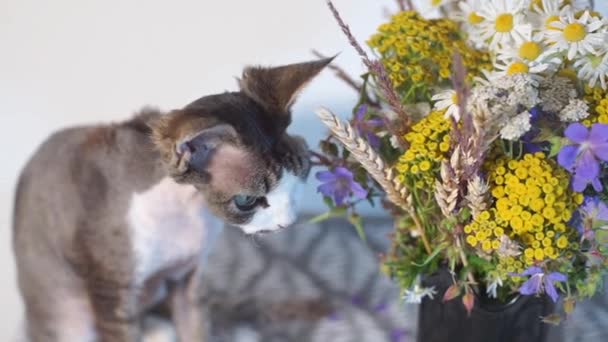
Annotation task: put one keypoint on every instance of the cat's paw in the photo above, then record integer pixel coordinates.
(295, 155)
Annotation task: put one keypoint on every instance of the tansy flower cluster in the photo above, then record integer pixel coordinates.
(418, 52)
(429, 141)
(597, 99)
(532, 206)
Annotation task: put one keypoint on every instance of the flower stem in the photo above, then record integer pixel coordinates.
(425, 241)
(465, 262)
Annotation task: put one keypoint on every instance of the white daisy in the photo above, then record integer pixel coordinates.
(469, 16)
(447, 100)
(593, 68)
(531, 53)
(576, 110)
(576, 36)
(439, 3)
(417, 293)
(579, 4)
(520, 66)
(545, 12)
(504, 22)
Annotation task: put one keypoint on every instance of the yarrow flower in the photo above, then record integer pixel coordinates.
(339, 184)
(539, 282)
(583, 157)
(576, 110)
(516, 127)
(417, 293)
(556, 93)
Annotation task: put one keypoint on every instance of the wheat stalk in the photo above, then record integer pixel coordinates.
(477, 192)
(446, 190)
(369, 159)
(375, 166)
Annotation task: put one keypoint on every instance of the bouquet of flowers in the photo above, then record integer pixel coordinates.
(484, 133)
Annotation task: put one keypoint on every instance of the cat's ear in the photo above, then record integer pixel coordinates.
(277, 88)
(186, 150)
(195, 150)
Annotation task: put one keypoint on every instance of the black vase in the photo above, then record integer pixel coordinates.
(490, 321)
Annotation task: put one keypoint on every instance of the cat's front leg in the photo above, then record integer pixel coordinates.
(187, 313)
(116, 314)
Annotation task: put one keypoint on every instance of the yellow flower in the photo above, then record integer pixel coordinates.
(486, 246)
(426, 47)
(539, 254)
(532, 201)
(562, 242)
(471, 240)
(420, 162)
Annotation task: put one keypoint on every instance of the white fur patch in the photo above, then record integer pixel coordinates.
(282, 206)
(158, 330)
(170, 225)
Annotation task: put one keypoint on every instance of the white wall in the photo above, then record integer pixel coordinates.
(66, 62)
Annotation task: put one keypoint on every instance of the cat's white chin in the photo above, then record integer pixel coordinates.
(282, 207)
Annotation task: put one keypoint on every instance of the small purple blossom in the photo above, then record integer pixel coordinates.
(583, 157)
(366, 128)
(528, 139)
(398, 335)
(595, 208)
(339, 184)
(539, 281)
(592, 214)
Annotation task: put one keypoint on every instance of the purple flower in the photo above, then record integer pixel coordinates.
(596, 208)
(593, 214)
(398, 335)
(539, 281)
(366, 128)
(339, 184)
(584, 156)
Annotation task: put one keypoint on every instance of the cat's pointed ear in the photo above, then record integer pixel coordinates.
(187, 150)
(277, 88)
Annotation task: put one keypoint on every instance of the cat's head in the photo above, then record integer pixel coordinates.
(234, 148)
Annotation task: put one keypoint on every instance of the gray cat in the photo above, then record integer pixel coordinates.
(113, 220)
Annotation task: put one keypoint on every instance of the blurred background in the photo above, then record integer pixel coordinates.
(69, 62)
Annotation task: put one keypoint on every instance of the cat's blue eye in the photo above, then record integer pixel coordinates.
(245, 203)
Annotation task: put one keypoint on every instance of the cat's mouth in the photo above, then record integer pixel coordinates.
(270, 231)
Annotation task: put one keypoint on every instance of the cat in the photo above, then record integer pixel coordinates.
(113, 220)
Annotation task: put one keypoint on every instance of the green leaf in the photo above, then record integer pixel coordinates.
(430, 258)
(328, 202)
(357, 222)
(556, 145)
